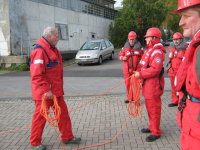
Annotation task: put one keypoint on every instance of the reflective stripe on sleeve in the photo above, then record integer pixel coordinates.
(155, 52)
(38, 61)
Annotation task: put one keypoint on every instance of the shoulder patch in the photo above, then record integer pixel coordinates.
(157, 60)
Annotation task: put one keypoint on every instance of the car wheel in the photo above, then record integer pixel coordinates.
(112, 56)
(79, 64)
(100, 60)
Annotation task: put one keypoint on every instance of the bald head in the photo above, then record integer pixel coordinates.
(49, 31)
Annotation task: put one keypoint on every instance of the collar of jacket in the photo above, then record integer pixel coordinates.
(48, 42)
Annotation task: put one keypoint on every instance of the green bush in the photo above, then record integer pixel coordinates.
(15, 67)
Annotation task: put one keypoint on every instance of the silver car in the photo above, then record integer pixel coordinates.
(95, 51)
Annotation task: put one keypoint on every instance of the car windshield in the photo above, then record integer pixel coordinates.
(90, 46)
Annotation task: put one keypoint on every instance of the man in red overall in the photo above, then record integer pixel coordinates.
(176, 53)
(46, 71)
(130, 55)
(187, 80)
(153, 81)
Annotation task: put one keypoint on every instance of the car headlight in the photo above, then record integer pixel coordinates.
(94, 55)
(76, 57)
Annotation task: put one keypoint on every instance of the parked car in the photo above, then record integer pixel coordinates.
(95, 51)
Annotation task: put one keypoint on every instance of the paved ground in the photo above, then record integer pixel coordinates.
(95, 123)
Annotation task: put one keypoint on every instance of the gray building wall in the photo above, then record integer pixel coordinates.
(26, 20)
(4, 28)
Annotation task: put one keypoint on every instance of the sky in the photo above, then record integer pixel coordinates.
(118, 3)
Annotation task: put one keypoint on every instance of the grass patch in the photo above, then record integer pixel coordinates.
(15, 67)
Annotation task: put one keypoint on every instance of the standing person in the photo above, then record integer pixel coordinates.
(187, 80)
(47, 80)
(176, 53)
(130, 55)
(153, 81)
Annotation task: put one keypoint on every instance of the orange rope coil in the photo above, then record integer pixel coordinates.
(51, 114)
(134, 106)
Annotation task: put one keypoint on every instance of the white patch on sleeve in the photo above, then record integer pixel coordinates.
(175, 81)
(158, 60)
(38, 61)
(136, 52)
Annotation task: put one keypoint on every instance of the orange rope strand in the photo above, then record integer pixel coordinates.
(109, 141)
(52, 115)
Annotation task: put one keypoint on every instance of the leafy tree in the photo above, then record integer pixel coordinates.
(171, 21)
(144, 14)
(123, 23)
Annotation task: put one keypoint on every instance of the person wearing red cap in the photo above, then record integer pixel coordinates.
(151, 72)
(131, 54)
(187, 79)
(176, 53)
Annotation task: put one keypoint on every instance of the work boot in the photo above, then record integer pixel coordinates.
(172, 105)
(152, 138)
(75, 140)
(39, 147)
(145, 130)
(126, 101)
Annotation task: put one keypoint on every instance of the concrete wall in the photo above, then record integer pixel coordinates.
(18, 28)
(4, 28)
(80, 25)
(22, 23)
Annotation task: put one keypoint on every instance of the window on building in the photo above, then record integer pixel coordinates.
(63, 31)
(58, 3)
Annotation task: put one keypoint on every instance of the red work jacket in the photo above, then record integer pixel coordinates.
(46, 70)
(134, 55)
(151, 71)
(176, 55)
(188, 77)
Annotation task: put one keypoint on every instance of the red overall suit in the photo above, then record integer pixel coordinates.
(176, 54)
(153, 83)
(130, 65)
(188, 78)
(47, 75)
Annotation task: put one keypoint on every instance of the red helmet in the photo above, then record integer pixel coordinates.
(153, 32)
(132, 35)
(177, 35)
(182, 4)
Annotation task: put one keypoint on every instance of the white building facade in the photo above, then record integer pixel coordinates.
(23, 21)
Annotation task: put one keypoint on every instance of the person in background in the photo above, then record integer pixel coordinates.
(151, 73)
(46, 72)
(130, 55)
(187, 79)
(176, 53)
